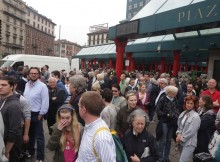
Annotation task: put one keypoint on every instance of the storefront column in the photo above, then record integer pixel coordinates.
(176, 61)
(128, 58)
(162, 65)
(120, 49)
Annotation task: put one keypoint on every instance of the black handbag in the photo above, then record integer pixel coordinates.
(203, 157)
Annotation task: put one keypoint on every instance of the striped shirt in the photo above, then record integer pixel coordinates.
(103, 143)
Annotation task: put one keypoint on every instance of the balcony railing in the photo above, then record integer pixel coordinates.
(14, 14)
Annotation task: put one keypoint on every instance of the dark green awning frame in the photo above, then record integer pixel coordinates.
(198, 16)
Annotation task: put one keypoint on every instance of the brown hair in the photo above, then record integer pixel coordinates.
(208, 102)
(92, 102)
(191, 98)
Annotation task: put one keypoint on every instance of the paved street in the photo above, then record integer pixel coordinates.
(174, 155)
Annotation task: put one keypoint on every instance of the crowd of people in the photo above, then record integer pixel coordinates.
(82, 107)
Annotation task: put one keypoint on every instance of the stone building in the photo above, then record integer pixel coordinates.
(65, 48)
(39, 33)
(12, 15)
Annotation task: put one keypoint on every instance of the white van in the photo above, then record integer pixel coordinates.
(75, 64)
(54, 63)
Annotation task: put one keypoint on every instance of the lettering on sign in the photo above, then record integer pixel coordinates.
(209, 11)
(127, 28)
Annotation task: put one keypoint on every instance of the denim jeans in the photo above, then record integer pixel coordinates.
(165, 141)
(36, 132)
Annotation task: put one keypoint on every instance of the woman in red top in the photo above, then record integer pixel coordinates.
(66, 135)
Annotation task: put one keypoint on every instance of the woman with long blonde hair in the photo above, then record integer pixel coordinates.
(66, 135)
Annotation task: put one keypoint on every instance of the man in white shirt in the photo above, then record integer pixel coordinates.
(96, 144)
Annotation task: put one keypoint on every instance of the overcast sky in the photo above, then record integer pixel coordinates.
(76, 16)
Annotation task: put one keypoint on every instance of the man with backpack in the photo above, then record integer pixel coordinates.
(97, 143)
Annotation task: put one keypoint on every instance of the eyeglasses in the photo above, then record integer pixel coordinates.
(34, 73)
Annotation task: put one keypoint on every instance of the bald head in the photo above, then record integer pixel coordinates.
(212, 84)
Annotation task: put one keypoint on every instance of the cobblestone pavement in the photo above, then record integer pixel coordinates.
(174, 155)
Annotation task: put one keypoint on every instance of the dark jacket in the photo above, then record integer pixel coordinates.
(54, 105)
(122, 124)
(136, 144)
(155, 90)
(74, 102)
(129, 88)
(60, 85)
(11, 113)
(206, 131)
(165, 107)
(21, 86)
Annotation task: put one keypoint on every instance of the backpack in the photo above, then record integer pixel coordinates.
(120, 153)
(214, 143)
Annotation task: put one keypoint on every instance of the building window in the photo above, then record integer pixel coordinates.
(21, 32)
(129, 7)
(42, 21)
(134, 13)
(38, 18)
(38, 26)
(34, 16)
(28, 21)
(8, 19)
(147, 1)
(7, 28)
(34, 24)
(7, 39)
(15, 22)
(129, 15)
(15, 30)
(141, 4)
(135, 5)
(20, 42)
(14, 40)
(130, 1)
(21, 24)
(42, 28)
(29, 13)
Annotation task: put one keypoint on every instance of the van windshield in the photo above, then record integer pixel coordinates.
(6, 63)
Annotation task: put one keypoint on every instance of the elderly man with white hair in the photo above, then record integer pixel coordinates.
(167, 112)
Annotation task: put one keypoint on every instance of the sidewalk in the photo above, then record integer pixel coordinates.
(174, 155)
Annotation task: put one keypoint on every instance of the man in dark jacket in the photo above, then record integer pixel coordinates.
(11, 112)
(56, 99)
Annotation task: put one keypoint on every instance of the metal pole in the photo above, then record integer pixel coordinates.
(59, 40)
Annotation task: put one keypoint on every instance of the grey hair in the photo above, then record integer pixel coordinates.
(163, 80)
(138, 113)
(52, 78)
(171, 89)
(79, 82)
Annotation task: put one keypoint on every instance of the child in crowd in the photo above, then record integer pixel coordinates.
(66, 135)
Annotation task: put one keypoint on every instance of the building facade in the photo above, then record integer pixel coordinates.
(133, 6)
(64, 48)
(39, 33)
(98, 37)
(12, 14)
